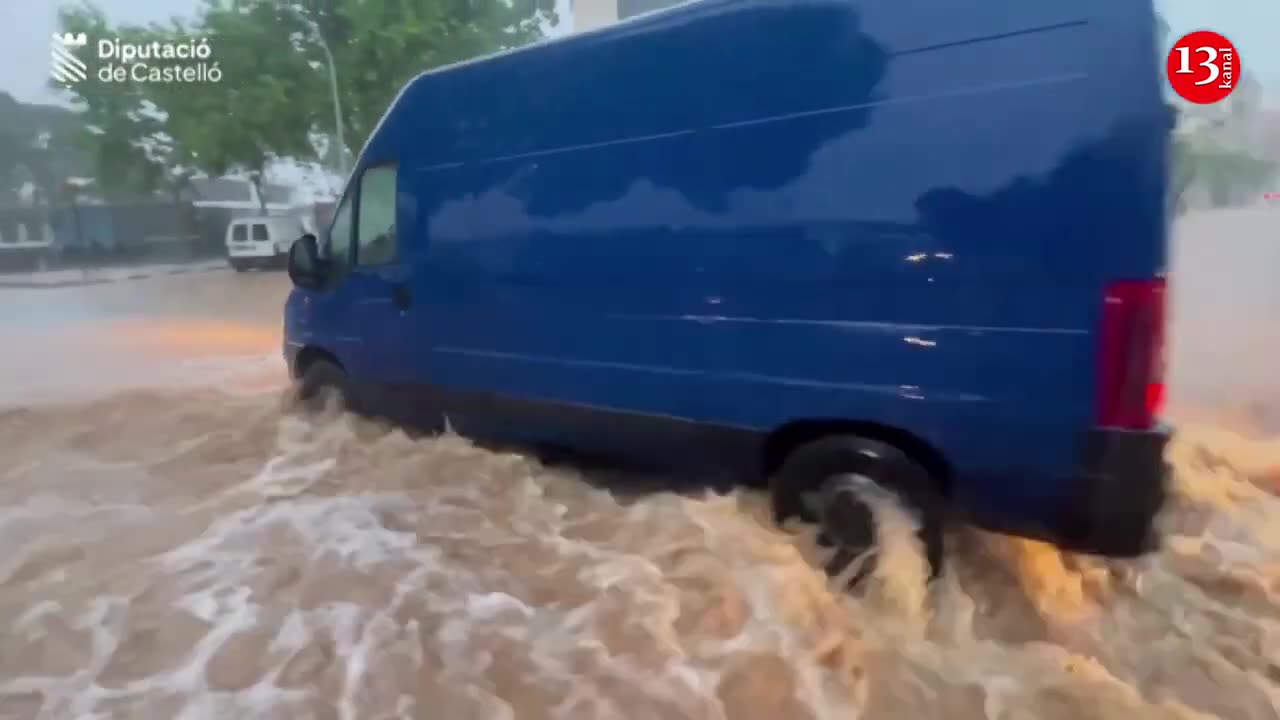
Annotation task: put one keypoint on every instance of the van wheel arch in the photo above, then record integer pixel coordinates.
(308, 355)
(320, 382)
(785, 440)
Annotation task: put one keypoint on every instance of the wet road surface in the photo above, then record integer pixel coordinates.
(177, 547)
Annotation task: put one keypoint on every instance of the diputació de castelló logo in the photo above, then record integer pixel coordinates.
(65, 66)
(112, 60)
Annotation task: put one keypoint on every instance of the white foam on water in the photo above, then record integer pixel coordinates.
(28, 623)
(358, 570)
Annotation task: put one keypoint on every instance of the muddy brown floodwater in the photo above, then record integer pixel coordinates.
(174, 546)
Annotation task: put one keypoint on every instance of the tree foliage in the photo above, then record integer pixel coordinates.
(274, 95)
(1214, 154)
(120, 123)
(259, 110)
(379, 46)
(1226, 174)
(1211, 151)
(37, 149)
(115, 124)
(1206, 153)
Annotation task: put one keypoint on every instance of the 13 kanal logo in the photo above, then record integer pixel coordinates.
(1203, 67)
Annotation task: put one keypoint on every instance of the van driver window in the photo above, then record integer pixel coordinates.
(376, 236)
(338, 247)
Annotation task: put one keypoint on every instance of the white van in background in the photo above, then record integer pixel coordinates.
(261, 242)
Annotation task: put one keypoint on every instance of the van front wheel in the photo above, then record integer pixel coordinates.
(829, 481)
(323, 386)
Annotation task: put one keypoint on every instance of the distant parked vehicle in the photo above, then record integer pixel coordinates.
(260, 242)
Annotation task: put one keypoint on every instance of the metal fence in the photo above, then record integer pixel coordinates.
(101, 234)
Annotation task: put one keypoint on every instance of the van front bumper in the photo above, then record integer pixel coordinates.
(1122, 483)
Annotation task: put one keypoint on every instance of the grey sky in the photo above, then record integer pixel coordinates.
(26, 27)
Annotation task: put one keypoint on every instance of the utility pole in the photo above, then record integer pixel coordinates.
(333, 91)
(337, 104)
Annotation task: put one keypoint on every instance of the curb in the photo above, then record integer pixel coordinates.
(28, 284)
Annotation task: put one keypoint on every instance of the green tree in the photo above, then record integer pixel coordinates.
(37, 145)
(115, 120)
(379, 45)
(154, 136)
(258, 111)
(12, 149)
(1228, 174)
(273, 96)
(1209, 148)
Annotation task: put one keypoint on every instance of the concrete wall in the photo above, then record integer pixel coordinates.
(627, 8)
(591, 14)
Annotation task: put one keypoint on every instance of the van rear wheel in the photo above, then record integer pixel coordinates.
(828, 482)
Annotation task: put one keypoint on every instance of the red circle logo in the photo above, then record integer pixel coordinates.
(1203, 67)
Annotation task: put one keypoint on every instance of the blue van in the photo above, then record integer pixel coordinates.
(820, 243)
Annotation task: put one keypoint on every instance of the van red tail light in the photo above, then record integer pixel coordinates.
(1131, 354)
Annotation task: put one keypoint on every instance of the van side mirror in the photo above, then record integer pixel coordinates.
(306, 269)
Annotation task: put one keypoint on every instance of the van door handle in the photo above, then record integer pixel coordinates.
(400, 296)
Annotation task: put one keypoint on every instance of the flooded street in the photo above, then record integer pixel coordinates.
(177, 547)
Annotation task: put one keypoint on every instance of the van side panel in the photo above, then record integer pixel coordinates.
(743, 213)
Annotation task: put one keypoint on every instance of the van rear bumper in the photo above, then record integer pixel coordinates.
(1122, 483)
(253, 251)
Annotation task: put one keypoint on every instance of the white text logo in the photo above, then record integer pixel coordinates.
(156, 62)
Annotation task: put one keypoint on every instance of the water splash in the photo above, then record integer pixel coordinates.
(234, 561)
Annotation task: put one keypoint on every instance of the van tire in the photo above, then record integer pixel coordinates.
(321, 380)
(848, 521)
(238, 265)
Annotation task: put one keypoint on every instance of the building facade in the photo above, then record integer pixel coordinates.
(591, 14)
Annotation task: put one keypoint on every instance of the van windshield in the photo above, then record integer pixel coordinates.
(239, 233)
